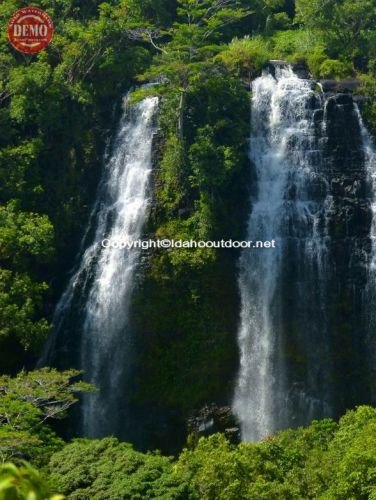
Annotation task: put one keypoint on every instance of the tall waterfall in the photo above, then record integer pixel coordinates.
(95, 305)
(283, 290)
(369, 148)
(370, 159)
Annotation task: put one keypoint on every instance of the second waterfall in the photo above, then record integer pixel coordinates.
(304, 347)
(283, 290)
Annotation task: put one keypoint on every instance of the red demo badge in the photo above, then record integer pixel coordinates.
(30, 30)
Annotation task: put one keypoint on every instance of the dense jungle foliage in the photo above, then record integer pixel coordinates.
(57, 112)
(327, 460)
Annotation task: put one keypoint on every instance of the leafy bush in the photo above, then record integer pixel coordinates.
(278, 21)
(326, 460)
(315, 60)
(27, 402)
(247, 55)
(333, 68)
(23, 483)
(347, 27)
(296, 45)
(106, 469)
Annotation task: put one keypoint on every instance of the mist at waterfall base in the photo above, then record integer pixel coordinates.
(307, 307)
(93, 331)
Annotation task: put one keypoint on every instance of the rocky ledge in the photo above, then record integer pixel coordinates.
(212, 419)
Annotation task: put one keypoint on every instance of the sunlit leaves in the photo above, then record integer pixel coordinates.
(24, 235)
(27, 402)
(247, 55)
(99, 469)
(20, 301)
(50, 391)
(23, 483)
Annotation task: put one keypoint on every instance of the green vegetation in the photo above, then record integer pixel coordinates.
(54, 111)
(28, 402)
(53, 114)
(57, 110)
(99, 469)
(23, 483)
(326, 460)
(323, 461)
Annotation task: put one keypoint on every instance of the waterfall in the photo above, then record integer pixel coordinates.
(370, 160)
(283, 290)
(369, 149)
(95, 305)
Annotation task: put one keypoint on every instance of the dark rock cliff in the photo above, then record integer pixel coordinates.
(349, 230)
(329, 304)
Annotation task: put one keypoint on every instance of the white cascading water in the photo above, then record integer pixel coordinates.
(105, 276)
(369, 149)
(285, 150)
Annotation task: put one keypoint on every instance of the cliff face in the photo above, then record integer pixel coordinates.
(324, 301)
(185, 306)
(186, 324)
(349, 230)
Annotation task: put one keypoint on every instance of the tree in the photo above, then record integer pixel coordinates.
(25, 242)
(25, 237)
(105, 468)
(48, 390)
(29, 401)
(23, 483)
(20, 300)
(247, 56)
(345, 24)
(323, 460)
(193, 45)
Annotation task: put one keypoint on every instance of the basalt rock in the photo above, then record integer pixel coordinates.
(212, 419)
(340, 86)
(315, 340)
(301, 70)
(348, 232)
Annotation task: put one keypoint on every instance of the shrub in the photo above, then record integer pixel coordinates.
(332, 68)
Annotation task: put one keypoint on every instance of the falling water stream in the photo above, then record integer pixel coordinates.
(102, 285)
(369, 298)
(286, 337)
(290, 206)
